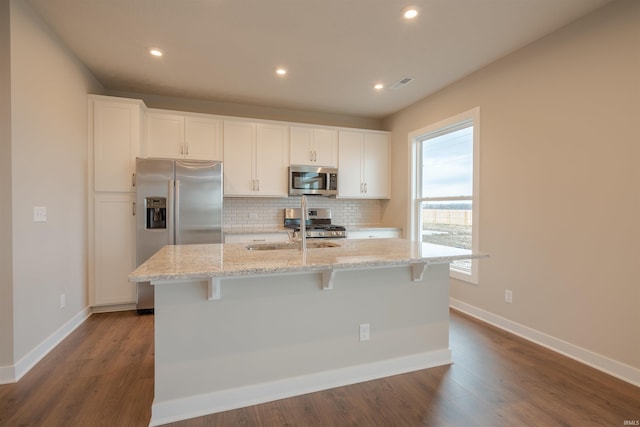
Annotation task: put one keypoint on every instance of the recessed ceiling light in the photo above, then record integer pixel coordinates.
(281, 71)
(378, 86)
(410, 13)
(156, 52)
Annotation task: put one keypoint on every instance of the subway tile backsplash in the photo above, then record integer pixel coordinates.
(252, 214)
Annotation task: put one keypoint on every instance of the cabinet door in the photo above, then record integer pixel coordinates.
(376, 166)
(203, 138)
(239, 158)
(165, 135)
(256, 237)
(350, 182)
(383, 233)
(325, 147)
(114, 249)
(116, 138)
(272, 160)
(301, 146)
(314, 146)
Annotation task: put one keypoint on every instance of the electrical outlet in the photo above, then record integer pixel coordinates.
(39, 214)
(364, 332)
(63, 300)
(508, 295)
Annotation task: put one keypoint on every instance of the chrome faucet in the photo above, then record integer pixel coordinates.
(303, 223)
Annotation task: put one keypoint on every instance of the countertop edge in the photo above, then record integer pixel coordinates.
(206, 275)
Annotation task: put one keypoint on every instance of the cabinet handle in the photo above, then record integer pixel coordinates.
(310, 155)
(257, 185)
(133, 179)
(134, 209)
(187, 148)
(315, 156)
(365, 187)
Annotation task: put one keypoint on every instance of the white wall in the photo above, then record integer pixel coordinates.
(560, 205)
(49, 168)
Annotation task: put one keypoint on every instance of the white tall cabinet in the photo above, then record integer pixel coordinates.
(363, 165)
(256, 159)
(115, 138)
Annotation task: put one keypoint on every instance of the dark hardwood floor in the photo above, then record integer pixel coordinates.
(102, 375)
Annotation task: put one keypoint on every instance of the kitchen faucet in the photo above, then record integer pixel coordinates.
(303, 223)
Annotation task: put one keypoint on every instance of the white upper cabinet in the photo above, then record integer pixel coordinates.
(363, 165)
(176, 135)
(115, 129)
(256, 159)
(314, 146)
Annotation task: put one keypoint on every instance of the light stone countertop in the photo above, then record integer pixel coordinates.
(189, 262)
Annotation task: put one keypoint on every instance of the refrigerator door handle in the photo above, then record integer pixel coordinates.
(176, 213)
(171, 212)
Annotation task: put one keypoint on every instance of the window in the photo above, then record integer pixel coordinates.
(445, 187)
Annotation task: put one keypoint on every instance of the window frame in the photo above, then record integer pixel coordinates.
(416, 137)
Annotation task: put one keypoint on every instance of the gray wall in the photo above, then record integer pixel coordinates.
(251, 111)
(6, 289)
(49, 127)
(559, 194)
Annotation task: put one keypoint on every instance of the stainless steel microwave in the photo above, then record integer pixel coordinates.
(313, 180)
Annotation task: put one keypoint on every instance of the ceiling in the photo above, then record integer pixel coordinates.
(334, 50)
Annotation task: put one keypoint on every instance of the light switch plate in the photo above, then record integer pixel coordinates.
(39, 214)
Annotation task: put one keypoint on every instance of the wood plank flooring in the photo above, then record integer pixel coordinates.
(102, 375)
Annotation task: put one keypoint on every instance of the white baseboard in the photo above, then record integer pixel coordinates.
(609, 366)
(210, 403)
(13, 373)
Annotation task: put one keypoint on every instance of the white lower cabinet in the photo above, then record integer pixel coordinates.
(113, 248)
(374, 233)
(273, 237)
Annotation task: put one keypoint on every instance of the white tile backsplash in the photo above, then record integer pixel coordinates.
(268, 213)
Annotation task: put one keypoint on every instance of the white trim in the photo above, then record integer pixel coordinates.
(602, 363)
(209, 403)
(13, 373)
(471, 116)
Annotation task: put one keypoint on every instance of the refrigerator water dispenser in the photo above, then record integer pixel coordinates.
(156, 212)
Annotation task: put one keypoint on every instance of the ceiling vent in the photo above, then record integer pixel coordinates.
(402, 82)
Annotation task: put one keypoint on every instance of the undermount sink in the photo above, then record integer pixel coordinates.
(313, 244)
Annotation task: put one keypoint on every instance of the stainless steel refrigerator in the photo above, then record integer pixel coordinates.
(178, 202)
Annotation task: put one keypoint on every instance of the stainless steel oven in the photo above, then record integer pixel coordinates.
(312, 180)
(318, 224)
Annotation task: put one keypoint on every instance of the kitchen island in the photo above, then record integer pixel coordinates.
(236, 327)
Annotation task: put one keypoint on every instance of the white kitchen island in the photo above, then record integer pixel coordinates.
(237, 327)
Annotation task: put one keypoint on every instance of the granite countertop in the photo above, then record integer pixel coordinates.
(187, 262)
(260, 230)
